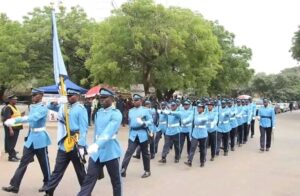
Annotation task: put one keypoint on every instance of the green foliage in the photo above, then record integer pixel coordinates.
(146, 43)
(12, 49)
(295, 49)
(235, 71)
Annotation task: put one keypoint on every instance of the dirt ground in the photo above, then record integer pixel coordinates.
(244, 172)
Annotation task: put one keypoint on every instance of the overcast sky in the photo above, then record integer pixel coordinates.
(265, 26)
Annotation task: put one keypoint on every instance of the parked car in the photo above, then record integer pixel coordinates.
(284, 107)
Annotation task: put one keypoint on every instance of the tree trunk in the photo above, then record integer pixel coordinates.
(147, 78)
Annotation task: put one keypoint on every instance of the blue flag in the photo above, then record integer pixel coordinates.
(60, 72)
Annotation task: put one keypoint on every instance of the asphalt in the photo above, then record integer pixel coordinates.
(246, 171)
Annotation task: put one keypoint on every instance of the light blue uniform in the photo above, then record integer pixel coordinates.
(233, 118)
(37, 121)
(200, 126)
(239, 115)
(186, 127)
(247, 114)
(107, 124)
(173, 126)
(267, 117)
(253, 110)
(212, 121)
(135, 128)
(224, 120)
(162, 123)
(78, 121)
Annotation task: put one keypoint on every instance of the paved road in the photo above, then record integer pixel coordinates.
(244, 172)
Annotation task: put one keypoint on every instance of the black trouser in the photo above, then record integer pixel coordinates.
(158, 135)
(94, 170)
(225, 139)
(232, 137)
(202, 146)
(61, 163)
(240, 133)
(246, 132)
(182, 140)
(265, 134)
(169, 141)
(212, 137)
(130, 150)
(11, 141)
(219, 139)
(152, 148)
(252, 126)
(28, 154)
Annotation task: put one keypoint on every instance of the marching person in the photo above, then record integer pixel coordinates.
(172, 135)
(240, 121)
(233, 123)
(139, 121)
(247, 116)
(36, 142)
(224, 127)
(162, 125)
(187, 127)
(106, 149)
(198, 135)
(12, 133)
(76, 127)
(212, 128)
(253, 112)
(266, 116)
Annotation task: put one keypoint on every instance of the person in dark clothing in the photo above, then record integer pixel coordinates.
(291, 106)
(11, 133)
(88, 107)
(120, 105)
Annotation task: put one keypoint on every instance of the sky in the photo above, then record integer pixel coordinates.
(265, 26)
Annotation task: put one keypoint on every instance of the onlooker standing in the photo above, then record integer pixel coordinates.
(121, 106)
(12, 133)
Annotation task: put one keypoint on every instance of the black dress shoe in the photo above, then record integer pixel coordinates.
(152, 156)
(12, 189)
(232, 149)
(123, 172)
(188, 163)
(202, 164)
(13, 159)
(176, 160)
(261, 149)
(267, 149)
(212, 159)
(163, 160)
(42, 189)
(146, 174)
(225, 153)
(136, 157)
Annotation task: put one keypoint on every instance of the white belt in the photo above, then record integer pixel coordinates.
(173, 125)
(225, 122)
(200, 126)
(163, 123)
(232, 118)
(187, 125)
(40, 129)
(99, 137)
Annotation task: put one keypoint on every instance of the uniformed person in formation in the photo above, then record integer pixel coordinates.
(240, 121)
(247, 119)
(36, 143)
(162, 125)
(139, 121)
(233, 123)
(266, 116)
(224, 126)
(172, 135)
(71, 139)
(11, 133)
(198, 135)
(186, 128)
(253, 112)
(212, 116)
(106, 149)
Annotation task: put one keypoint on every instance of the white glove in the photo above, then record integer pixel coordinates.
(139, 121)
(10, 122)
(93, 148)
(253, 118)
(258, 118)
(81, 151)
(166, 112)
(273, 128)
(21, 119)
(212, 125)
